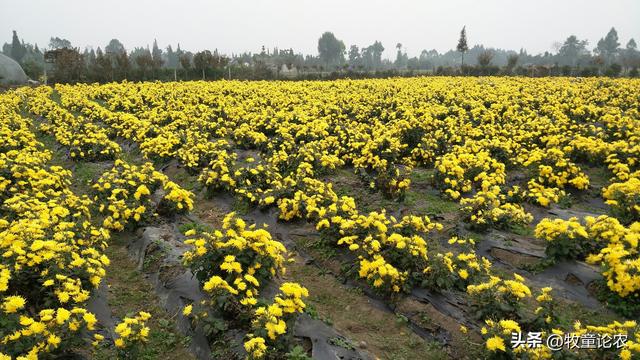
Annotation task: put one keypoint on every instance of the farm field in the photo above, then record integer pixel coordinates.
(417, 218)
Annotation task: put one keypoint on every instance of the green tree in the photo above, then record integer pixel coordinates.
(113, 53)
(512, 61)
(68, 65)
(401, 58)
(608, 46)
(114, 47)
(631, 58)
(462, 47)
(156, 55)
(354, 55)
(17, 48)
(172, 58)
(366, 54)
(572, 50)
(104, 66)
(376, 51)
(331, 49)
(32, 66)
(484, 58)
(123, 64)
(185, 62)
(91, 67)
(33, 62)
(202, 61)
(144, 61)
(58, 43)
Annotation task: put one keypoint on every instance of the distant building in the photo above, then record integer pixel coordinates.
(288, 71)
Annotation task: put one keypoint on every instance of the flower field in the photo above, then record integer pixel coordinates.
(406, 186)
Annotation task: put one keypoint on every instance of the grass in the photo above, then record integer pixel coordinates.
(359, 320)
(429, 202)
(342, 342)
(569, 312)
(475, 236)
(424, 198)
(181, 176)
(421, 176)
(598, 176)
(85, 174)
(320, 248)
(522, 230)
(241, 206)
(49, 141)
(194, 226)
(313, 313)
(133, 157)
(55, 96)
(220, 350)
(420, 199)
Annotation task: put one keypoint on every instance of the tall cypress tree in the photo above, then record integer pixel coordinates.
(156, 55)
(17, 49)
(462, 43)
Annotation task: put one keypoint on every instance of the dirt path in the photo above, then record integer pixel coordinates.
(355, 316)
(128, 293)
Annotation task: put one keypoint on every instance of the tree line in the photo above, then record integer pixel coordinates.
(65, 63)
(571, 58)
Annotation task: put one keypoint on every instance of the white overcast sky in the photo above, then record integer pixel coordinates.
(236, 26)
